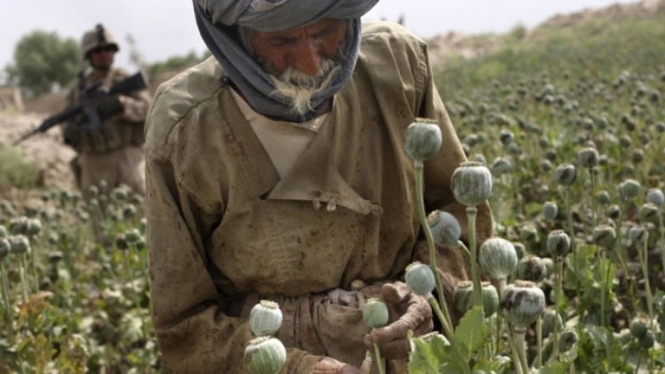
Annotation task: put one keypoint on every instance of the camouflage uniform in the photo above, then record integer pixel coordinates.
(112, 152)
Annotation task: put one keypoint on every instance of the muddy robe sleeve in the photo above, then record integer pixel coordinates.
(193, 334)
(452, 265)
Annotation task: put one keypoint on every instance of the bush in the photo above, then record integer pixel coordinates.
(16, 170)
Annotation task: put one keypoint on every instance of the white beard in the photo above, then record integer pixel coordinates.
(300, 87)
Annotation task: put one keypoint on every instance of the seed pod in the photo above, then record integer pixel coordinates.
(604, 236)
(18, 225)
(565, 174)
(93, 191)
(551, 319)
(638, 235)
(5, 248)
(19, 244)
(529, 234)
(423, 139)
(522, 302)
(143, 225)
(420, 279)
(638, 328)
(140, 244)
(637, 156)
(587, 157)
(660, 127)
(129, 211)
(501, 166)
(83, 216)
(375, 313)
(132, 236)
(471, 184)
(514, 149)
(55, 257)
(121, 242)
(118, 194)
(649, 213)
(490, 299)
(648, 340)
(655, 197)
(470, 140)
(520, 250)
(265, 318)
(463, 296)
(497, 258)
(33, 227)
(550, 210)
(551, 155)
(545, 165)
(506, 137)
(479, 158)
(603, 197)
(614, 211)
(445, 228)
(567, 340)
(3, 232)
(549, 265)
(558, 243)
(531, 268)
(265, 355)
(629, 189)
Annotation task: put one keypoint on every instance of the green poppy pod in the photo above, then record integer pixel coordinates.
(265, 355)
(497, 258)
(445, 228)
(471, 183)
(375, 313)
(522, 303)
(265, 318)
(420, 279)
(423, 139)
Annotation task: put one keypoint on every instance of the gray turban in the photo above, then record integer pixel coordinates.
(218, 21)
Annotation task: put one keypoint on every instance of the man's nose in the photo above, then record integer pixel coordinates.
(307, 58)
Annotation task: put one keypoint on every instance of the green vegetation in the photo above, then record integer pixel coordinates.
(16, 170)
(597, 48)
(43, 61)
(177, 63)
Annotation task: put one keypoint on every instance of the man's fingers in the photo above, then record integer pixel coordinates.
(394, 293)
(398, 330)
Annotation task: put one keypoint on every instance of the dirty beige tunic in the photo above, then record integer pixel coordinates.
(223, 225)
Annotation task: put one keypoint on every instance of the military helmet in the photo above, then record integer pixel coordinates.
(98, 37)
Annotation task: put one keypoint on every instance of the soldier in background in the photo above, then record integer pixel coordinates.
(113, 151)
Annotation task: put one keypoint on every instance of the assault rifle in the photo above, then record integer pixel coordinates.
(89, 105)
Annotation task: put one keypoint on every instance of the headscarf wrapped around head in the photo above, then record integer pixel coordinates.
(218, 21)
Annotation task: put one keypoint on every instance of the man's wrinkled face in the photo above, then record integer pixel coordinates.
(102, 58)
(301, 61)
(302, 48)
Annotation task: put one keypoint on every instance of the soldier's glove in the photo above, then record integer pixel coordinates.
(109, 106)
(331, 366)
(408, 311)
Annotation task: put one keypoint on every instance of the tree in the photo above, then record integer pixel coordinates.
(43, 61)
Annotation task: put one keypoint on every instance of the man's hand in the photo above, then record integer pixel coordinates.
(331, 366)
(408, 311)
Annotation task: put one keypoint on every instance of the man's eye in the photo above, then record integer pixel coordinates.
(325, 32)
(279, 42)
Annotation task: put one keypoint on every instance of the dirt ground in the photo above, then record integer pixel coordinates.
(46, 150)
